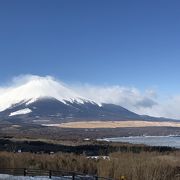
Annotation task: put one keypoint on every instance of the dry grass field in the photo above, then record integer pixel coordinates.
(134, 166)
(114, 124)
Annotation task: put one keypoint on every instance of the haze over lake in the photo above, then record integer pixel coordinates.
(171, 141)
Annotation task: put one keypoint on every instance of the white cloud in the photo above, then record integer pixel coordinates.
(142, 102)
(128, 97)
(117, 95)
(145, 103)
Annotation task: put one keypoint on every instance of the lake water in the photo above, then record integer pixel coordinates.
(171, 141)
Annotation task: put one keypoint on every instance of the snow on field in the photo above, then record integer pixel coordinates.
(10, 177)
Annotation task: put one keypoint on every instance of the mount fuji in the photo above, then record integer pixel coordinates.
(38, 99)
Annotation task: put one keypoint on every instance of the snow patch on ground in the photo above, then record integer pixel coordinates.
(10, 177)
(20, 112)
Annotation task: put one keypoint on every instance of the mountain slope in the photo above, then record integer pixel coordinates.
(51, 108)
(54, 111)
(41, 98)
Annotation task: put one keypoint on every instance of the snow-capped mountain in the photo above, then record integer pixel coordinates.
(41, 98)
(51, 108)
(35, 88)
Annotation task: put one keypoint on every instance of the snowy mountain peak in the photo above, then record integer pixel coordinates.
(31, 88)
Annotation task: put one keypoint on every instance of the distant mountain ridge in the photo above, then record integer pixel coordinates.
(47, 99)
(51, 109)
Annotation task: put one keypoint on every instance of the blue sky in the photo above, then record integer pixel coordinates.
(129, 43)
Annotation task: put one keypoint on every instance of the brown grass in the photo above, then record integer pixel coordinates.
(142, 166)
(114, 124)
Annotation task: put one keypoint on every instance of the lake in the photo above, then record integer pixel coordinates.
(171, 141)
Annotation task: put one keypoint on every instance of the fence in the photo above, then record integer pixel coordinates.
(62, 174)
